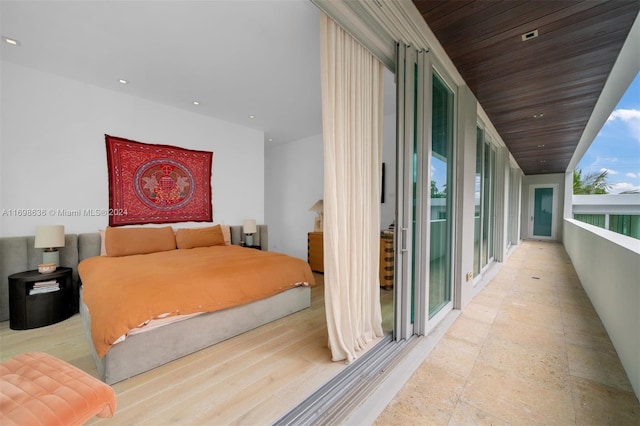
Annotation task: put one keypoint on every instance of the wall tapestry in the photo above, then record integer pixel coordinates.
(157, 183)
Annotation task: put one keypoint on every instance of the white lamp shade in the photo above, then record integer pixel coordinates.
(249, 226)
(49, 236)
(318, 207)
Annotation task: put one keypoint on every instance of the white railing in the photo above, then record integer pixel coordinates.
(608, 265)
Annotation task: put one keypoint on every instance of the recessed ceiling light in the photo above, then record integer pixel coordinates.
(529, 35)
(196, 103)
(543, 161)
(123, 81)
(252, 117)
(270, 139)
(541, 145)
(11, 41)
(538, 115)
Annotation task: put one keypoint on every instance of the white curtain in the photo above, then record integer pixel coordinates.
(352, 83)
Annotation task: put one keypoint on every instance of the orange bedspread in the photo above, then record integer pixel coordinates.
(124, 292)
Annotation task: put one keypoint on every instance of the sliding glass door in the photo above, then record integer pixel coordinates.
(513, 235)
(477, 212)
(425, 192)
(440, 196)
(484, 217)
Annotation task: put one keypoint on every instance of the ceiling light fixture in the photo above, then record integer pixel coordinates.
(252, 117)
(538, 115)
(196, 103)
(270, 139)
(11, 41)
(543, 161)
(123, 81)
(541, 145)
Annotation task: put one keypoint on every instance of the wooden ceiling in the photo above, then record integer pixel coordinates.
(556, 76)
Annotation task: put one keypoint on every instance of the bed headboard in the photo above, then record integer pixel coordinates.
(17, 254)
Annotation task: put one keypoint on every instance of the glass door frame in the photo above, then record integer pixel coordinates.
(437, 70)
(513, 221)
(404, 297)
(414, 85)
(489, 201)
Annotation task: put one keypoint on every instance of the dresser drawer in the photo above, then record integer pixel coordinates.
(315, 251)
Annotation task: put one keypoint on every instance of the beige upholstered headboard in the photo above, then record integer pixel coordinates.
(17, 254)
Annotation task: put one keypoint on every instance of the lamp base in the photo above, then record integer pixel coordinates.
(317, 224)
(51, 256)
(248, 239)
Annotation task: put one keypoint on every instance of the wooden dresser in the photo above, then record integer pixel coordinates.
(387, 263)
(315, 250)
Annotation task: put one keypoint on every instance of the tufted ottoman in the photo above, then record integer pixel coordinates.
(38, 389)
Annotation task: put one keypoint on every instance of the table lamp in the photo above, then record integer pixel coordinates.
(49, 238)
(318, 207)
(249, 228)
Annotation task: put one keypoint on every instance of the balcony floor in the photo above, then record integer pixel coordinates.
(529, 349)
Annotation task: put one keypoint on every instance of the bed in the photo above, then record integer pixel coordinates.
(199, 294)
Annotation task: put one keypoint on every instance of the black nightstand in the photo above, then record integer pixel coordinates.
(39, 309)
(253, 247)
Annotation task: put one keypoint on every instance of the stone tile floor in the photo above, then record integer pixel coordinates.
(528, 350)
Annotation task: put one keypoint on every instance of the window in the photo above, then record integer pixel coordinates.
(625, 224)
(591, 219)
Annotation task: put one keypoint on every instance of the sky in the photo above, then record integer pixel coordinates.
(617, 146)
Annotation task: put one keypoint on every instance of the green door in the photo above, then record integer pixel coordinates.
(543, 212)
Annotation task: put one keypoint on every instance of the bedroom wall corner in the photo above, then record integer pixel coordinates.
(294, 174)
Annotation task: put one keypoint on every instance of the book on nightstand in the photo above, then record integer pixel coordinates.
(44, 287)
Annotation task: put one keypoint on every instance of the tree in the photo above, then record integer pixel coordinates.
(591, 183)
(436, 193)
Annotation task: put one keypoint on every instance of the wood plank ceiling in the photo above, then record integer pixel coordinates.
(556, 76)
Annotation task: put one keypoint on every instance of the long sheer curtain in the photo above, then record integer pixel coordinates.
(352, 87)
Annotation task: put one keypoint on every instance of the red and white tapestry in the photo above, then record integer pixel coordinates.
(157, 183)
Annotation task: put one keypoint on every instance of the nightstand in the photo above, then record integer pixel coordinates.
(31, 306)
(253, 247)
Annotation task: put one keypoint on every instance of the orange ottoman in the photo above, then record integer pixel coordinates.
(38, 389)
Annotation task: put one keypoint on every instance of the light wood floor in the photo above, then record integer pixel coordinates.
(252, 379)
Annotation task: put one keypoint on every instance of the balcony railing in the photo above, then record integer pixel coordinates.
(608, 265)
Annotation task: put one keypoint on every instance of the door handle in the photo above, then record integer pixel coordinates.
(404, 240)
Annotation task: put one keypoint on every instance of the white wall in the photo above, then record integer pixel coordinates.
(557, 179)
(53, 153)
(608, 271)
(294, 174)
(465, 200)
(388, 208)
(294, 181)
